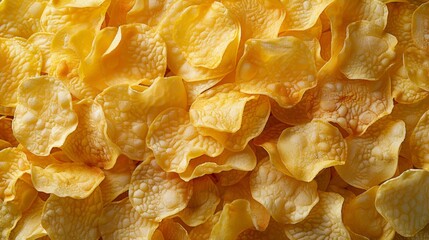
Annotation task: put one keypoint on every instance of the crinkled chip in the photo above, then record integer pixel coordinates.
(18, 61)
(416, 62)
(302, 15)
(156, 194)
(419, 143)
(399, 23)
(323, 222)
(11, 213)
(172, 230)
(121, 221)
(44, 116)
(30, 225)
(290, 205)
(6, 132)
(373, 157)
(68, 218)
(43, 41)
(13, 164)
(175, 141)
(281, 68)
(419, 27)
(146, 12)
(403, 201)
(74, 180)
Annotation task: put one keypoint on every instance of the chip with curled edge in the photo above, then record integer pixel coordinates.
(419, 143)
(302, 15)
(14, 164)
(44, 116)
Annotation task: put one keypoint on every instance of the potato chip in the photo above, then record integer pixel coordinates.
(292, 204)
(416, 62)
(324, 220)
(281, 68)
(373, 157)
(77, 3)
(194, 89)
(68, 218)
(298, 114)
(149, 13)
(419, 30)
(6, 132)
(11, 214)
(403, 201)
(274, 231)
(7, 111)
(175, 141)
(18, 61)
(4, 144)
(399, 24)
(43, 42)
(418, 143)
(156, 194)
(13, 164)
(117, 12)
(229, 178)
(30, 226)
(89, 143)
(368, 51)
(44, 116)
(302, 15)
(203, 231)
(121, 221)
(172, 230)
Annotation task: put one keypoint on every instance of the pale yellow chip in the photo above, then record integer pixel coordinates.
(44, 116)
(43, 41)
(11, 214)
(368, 51)
(89, 143)
(203, 203)
(121, 221)
(302, 15)
(403, 201)
(146, 12)
(18, 61)
(74, 180)
(290, 205)
(172, 230)
(6, 132)
(307, 149)
(194, 89)
(30, 225)
(175, 141)
(419, 143)
(323, 222)
(156, 194)
(204, 230)
(274, 231)
(419, 27)
(373, 157)
(13, 164)
(68, 218)
(281, 68)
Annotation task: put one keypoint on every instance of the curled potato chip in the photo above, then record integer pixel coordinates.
(156, 194)
(399, 23)
(292, 204)
(228, 178)
(149, 13)
(75, 180)
(281, 68)
(324, 220)
(13, 164)
(89, 143)
(18, 61)
(121, 221)
(68, 218)
(172, 230)
(302, 15)
(403, 201)
(204, 230)
(419, 30)
(368, 51)
(6, 132)
(373, 157)
(298, 114)
(418, 143)
(44, 116)
(194, 89)
(117, 12)
(43, 41)
(30, 226)
(416, 62)
(11, 214)
(175, 141)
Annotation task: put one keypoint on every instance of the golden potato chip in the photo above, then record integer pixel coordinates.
(156, 194)
(76, 3)
(146, 12)
(229, 178)
(373, 157)
(20, 18)
(89, 143)
(117, 12)
(416, 62)
(368, 51)
(13, 164)
(18, 61)
(175, 141)
(281, 68)
(74, 180)
(194, 89)
(121, 221)
(361, 217)
(274, 231)
(418, 143)
(203, 203)
(129, 111)
(399, 23)
(203, 231)
(292, 204)
(44, 116)
(403, 201)
(11, 214)
(43, 42)
(302, 15)
(172, 230)
(68, 218)
(298, 114)
(419, 30)
(30, 225)
(6, 132)
(324, 220)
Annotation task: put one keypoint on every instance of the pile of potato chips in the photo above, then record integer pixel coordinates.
(203, 119)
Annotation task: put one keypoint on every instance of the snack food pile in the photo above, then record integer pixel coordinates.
(202, 119)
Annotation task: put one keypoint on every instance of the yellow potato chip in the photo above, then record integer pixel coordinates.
(418, 143)
(7, 111)
(172, 230)
(368, 51)
(203, 231)
(323, 222)
(416, 62)
(129, 111)
(146, 12)
(419, 30)
(117, 12)
(298, 114)
(6, 132)
(399, 23)
(68, 218)
(273, 231)
(403, 201)
(292, 204)
(18, 61)
(13, 164)
(228, 178)
(175, 141)
(302, 15)
(373, 157)
(30, 225)
(121, 221)
(194, 89)
(156, 194)
(43, 41)
(44, 116)
(76, 3)
(11, 214)
(281, 68)
(89, 143)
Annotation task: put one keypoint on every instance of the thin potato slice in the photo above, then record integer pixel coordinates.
(149, 13)
(172, 230)
(77, 3)
(6, 132)
(13, 164)
(203, 231)
(373, 157)
(44, 116)
(30, 225)
(156, 194)
(74, 180)
(403, 202)
(302, 15)
(399, 23)
(324, 220)
(117, 12)
(121, 221)
(68, 218)
(416, 62)
(290, 205)
(175, 141)
(43, 41)
(419, 27)
(419, 143)
(194, 89)
(11, 214)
